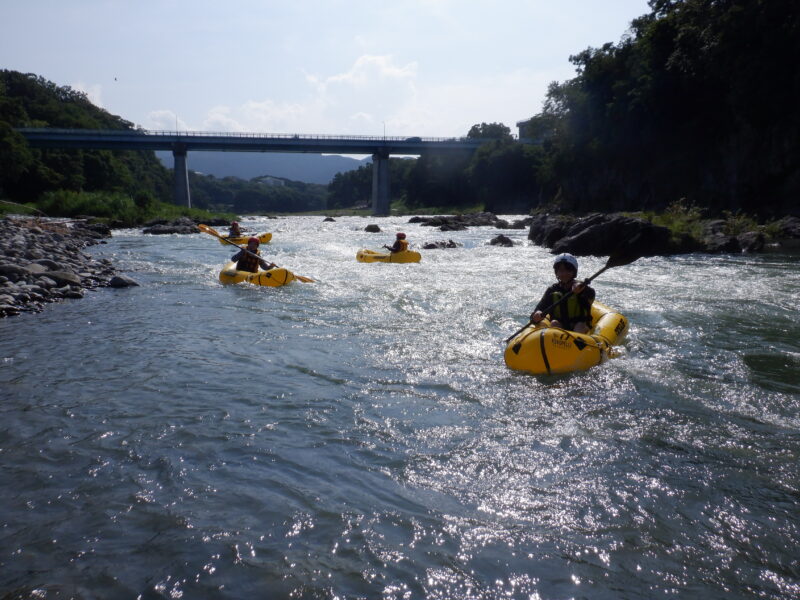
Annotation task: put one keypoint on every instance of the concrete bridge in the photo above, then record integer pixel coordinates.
(180, 143)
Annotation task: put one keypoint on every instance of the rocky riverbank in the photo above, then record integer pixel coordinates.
(42, 261)
(603, 234)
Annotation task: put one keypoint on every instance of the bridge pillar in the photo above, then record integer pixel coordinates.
(181, 190)
(380, 184)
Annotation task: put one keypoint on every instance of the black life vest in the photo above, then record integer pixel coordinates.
(248, 262)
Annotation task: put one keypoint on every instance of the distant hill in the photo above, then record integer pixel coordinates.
(308, 168)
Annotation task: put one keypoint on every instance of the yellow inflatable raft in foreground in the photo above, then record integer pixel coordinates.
(264, 238)
(272, 278)
(544, 350)
(407, 256)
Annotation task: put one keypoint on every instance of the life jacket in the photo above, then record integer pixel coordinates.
(573, 310)
(248, 262)
(400, 246)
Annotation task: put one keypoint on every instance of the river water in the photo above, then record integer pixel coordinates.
(360, 437)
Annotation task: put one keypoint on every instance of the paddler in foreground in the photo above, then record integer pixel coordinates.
(249, 260)
(575, 313)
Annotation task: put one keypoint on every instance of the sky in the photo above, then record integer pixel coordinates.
(429, 68)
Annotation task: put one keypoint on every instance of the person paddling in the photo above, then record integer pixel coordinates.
(400, 244)
(575, 313)
(249, 259)
(235, 230)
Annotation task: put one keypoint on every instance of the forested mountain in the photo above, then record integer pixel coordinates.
(309, 168)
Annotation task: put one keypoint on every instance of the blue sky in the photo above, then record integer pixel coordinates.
(411, 67)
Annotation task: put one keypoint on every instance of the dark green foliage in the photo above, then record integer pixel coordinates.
(25, 174)
(439, 180)
(116, 208)
(698, 101)
(258, 195)
(65, 203)
(503, 176)
(490, 131)
(354, 188)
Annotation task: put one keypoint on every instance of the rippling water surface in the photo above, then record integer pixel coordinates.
(360, 437)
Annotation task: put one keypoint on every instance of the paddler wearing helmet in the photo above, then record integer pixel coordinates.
(249, 259)
(400, 243)
(575, 313)
(235, 230)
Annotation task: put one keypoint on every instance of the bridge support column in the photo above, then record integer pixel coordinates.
(380, 184)
(181, 190)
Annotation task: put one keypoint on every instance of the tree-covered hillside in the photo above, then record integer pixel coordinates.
(698, 101)
(26, 173)
(258, 195)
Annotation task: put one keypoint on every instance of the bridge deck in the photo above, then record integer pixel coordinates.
(241, 142)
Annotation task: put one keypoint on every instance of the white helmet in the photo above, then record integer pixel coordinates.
(566, 258)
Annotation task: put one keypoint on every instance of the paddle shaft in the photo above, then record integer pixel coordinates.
(586, 281)
(215, 233)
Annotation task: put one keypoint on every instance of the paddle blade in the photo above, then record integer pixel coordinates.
(209, 230)
(304, 279)
(622, 257)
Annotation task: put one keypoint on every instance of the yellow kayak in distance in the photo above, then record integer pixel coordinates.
(273, 278)
(264, 238)
(544, 350)
(406, 256)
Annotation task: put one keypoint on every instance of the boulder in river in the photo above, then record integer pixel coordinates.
(501, 240)
(183, 225)
(120, 281)
(440, 244)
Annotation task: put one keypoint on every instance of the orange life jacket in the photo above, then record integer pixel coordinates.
(400, 246)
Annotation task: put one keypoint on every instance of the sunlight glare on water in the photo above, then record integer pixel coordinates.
(361, 437)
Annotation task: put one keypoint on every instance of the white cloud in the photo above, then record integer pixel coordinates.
(356, 101)
(377, 92)
(219, 119)
(165, 120)
(373, 69)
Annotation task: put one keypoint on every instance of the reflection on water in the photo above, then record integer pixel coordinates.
(361, 437)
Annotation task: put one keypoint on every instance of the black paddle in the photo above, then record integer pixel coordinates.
(617, 259)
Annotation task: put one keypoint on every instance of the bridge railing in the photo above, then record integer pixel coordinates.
(248, 135)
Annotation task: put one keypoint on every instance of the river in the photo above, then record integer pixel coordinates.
(361, 437)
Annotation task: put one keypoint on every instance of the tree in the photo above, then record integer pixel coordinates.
(490, 131)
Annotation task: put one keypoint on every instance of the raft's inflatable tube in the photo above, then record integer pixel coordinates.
(544, 350)
(272, 278)
(406, 256)
(264, 238)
